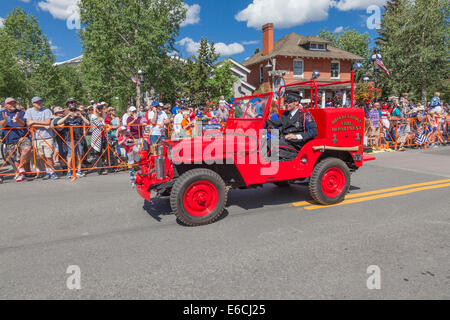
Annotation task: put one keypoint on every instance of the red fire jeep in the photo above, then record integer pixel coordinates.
(198, 172)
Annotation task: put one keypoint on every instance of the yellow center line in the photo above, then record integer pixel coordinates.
(385, 195)
(357, 195)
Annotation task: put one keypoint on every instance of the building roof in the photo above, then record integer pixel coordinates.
(74, 61)
(292, 46)
(308, 39)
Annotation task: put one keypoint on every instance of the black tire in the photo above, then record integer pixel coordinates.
(315, 184)
(282, 184)
(184, 182)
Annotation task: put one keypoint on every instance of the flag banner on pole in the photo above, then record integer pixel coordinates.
(380, 63)
(133, 79)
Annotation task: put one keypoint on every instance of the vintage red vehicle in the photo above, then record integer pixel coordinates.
(197, 172)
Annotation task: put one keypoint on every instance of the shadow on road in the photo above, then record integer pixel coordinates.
(158, 207)
(246, 199)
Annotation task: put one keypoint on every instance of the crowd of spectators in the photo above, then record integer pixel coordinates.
(407, 124)
(77, 137)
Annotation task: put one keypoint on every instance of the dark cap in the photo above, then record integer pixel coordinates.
(71, 100)
(292, 97)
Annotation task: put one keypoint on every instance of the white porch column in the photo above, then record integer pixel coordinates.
(344, 97)
(323, 98)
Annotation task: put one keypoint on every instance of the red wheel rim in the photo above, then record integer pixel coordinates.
(200, 198)
(333, 182)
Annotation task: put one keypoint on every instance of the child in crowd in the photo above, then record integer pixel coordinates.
(127, 142)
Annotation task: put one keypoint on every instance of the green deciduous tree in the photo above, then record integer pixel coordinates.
(414, 43)
(71, 83)
(34, 57)
(349, 40)
(352, 41)
(120, 37)
(12, 81)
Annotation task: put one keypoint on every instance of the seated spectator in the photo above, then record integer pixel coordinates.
(127, 141)
(421, 136)
(39, 119)
(186, 125)
(16, 137)
(403, 134)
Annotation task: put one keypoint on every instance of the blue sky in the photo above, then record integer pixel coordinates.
(234, 25)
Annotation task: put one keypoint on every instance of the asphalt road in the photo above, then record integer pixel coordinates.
(264, 247)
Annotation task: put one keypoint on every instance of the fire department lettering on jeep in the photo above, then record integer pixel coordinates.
(351, 128)
(346, 116)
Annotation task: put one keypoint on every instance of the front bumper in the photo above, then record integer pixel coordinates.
(144, 193)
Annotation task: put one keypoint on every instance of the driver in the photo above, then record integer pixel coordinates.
(296, 128)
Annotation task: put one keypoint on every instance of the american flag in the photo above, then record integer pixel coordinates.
(133, 79)
(380, 63)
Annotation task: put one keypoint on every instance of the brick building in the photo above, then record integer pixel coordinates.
(294, 58)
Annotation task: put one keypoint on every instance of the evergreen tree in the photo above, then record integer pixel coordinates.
(203, 80)
(414, 44)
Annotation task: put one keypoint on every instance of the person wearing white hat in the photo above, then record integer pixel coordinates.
(135, 124)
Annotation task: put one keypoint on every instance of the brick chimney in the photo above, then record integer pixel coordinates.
(267, 38)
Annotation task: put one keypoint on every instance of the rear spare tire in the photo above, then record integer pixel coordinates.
(198, 197)
(330, 181)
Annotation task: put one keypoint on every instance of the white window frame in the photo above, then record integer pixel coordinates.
(303, 68)
(261, 74)
(317, 46)
(331, 69)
